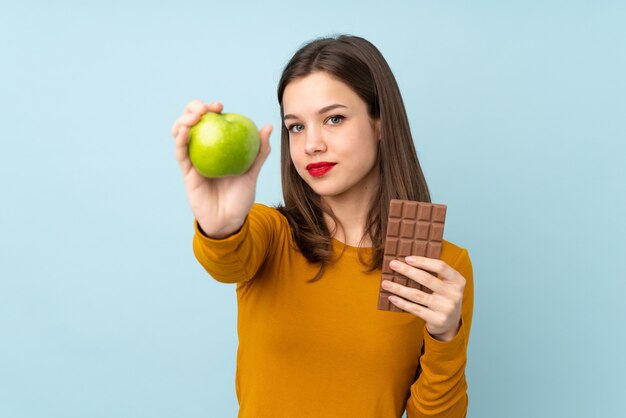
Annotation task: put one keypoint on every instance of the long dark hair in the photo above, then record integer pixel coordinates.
(361, 66)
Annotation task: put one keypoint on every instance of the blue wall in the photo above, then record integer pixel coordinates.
(518, 113)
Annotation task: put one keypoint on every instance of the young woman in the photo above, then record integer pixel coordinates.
(312, 342)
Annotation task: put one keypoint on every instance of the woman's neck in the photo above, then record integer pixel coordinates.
(352, 225)
(351, 212)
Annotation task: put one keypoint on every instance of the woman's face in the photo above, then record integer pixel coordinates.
(333, 143)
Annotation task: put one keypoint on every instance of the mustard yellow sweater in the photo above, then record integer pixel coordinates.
(323, 349)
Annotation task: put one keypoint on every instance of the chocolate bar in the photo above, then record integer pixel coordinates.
(413, 228)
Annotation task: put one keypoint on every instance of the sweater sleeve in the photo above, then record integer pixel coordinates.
(441, 389)
(238, 257)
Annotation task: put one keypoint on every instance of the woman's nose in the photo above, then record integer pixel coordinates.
(314, 142)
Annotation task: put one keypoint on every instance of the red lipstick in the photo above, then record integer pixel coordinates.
(319, 169)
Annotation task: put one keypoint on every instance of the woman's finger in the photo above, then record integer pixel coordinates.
(181, 150)
(413, 308)
(196, 106)
(410, 294)
(264, 150)
(174, 130)
(193, 112)
(215, 107)
(187, 120)
(443, 270)
(417, 275)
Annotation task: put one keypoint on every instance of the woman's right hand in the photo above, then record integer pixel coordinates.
(220, 205)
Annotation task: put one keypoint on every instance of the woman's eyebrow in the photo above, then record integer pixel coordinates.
(322, 110)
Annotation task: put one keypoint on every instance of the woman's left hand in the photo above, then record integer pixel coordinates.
(441, 310)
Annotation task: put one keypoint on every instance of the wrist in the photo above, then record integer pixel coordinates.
(221, 233)
(448, 335)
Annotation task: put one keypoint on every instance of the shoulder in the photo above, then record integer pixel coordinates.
(267, 217)
(267, 213)
(451, 252)
(456, 257)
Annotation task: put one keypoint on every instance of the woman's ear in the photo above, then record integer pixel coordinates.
(378, 131)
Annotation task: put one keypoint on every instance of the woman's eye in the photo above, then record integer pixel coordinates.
(295, 128)
(336, 119)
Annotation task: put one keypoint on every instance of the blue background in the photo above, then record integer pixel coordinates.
(518, 113)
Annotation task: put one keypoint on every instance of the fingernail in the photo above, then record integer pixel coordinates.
(411, 259)
(386, 284)
(394, 264)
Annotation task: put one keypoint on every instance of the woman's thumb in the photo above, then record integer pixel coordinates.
(264, 149)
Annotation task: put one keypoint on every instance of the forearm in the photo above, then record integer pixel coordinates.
(441, 388)
(238, 256)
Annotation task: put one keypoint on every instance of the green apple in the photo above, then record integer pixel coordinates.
(223, 144)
